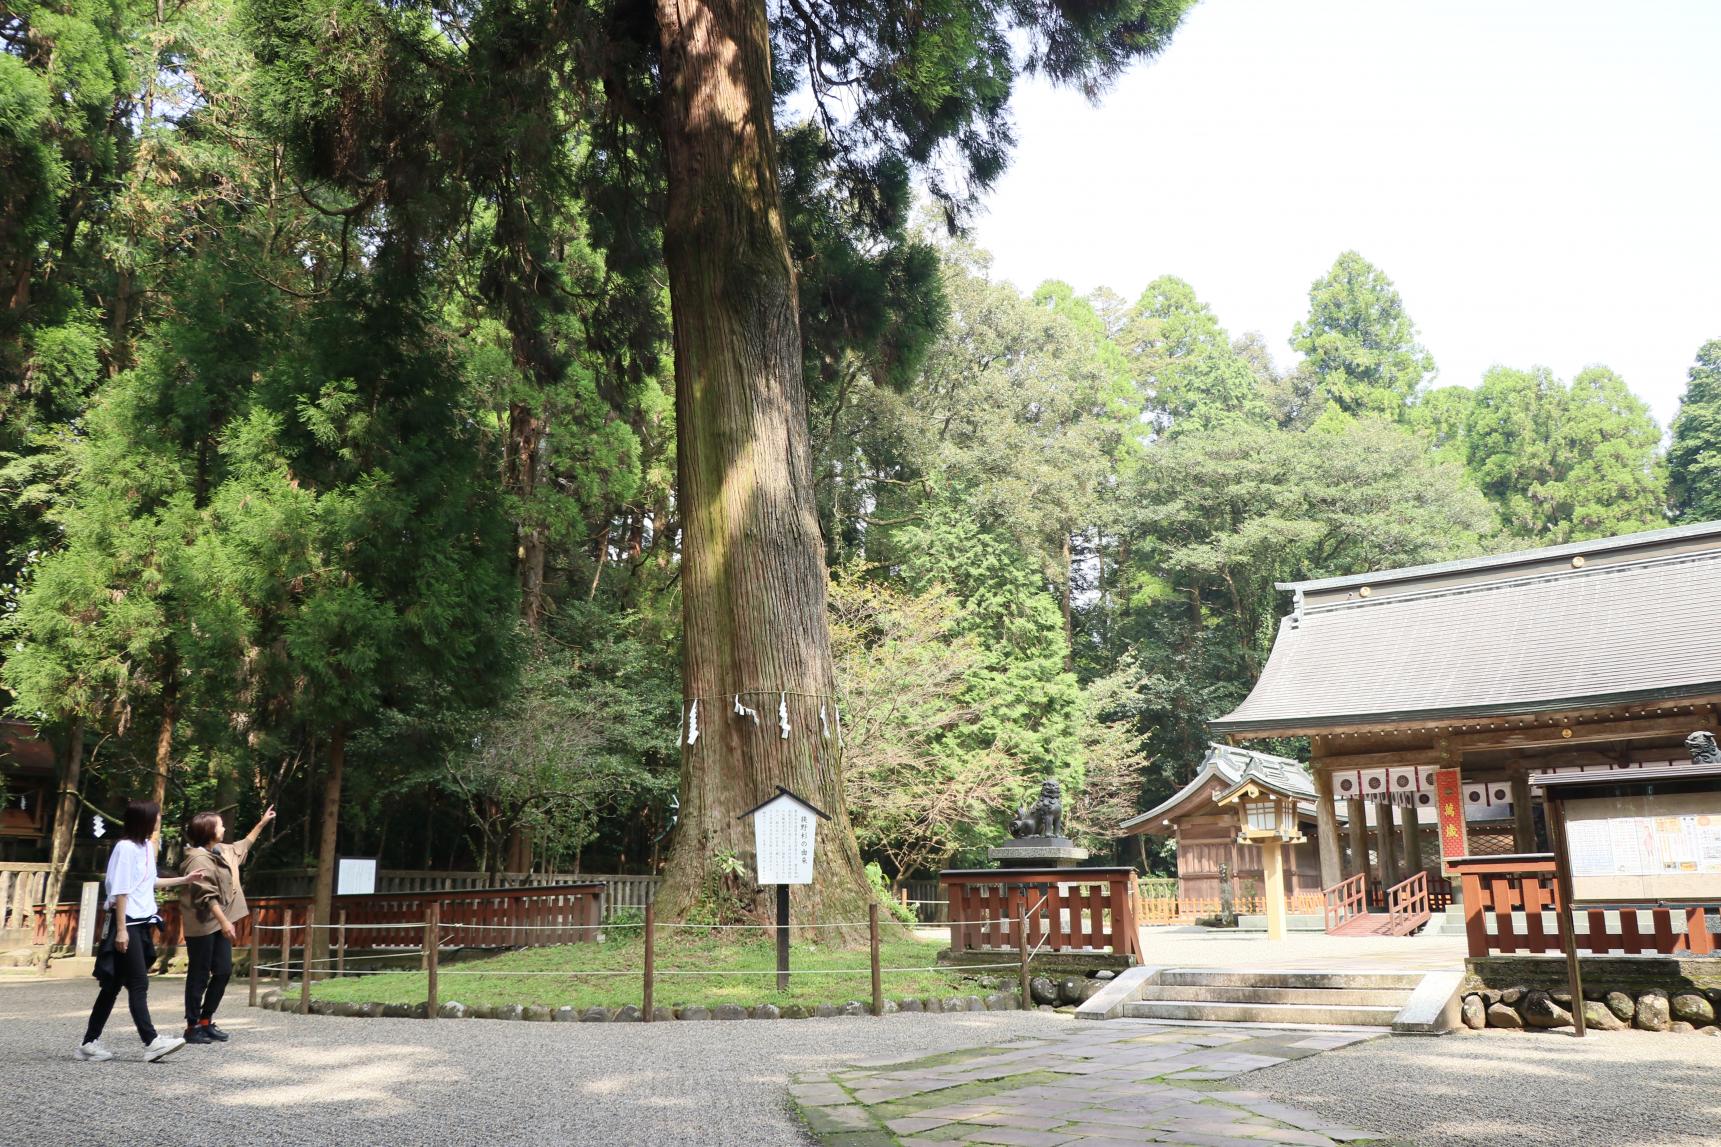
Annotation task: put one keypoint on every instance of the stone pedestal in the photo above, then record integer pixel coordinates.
(1038, 852)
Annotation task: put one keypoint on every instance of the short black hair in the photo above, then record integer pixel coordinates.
(140, 820)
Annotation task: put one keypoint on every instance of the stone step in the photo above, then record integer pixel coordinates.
(1320, 997)
(1274, 978)
(1350, 1015)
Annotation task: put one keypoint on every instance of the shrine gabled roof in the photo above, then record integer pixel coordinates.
(1618, 620)
(1224, 767)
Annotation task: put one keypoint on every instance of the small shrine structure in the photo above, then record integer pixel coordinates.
(1206, 833)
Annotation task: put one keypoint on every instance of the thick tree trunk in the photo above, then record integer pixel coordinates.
(525, 440)
(164, 736)
(65, 821)
(752, 573)
(323, 891)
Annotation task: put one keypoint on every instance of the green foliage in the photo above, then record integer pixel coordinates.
(881, 892)
(1188, 372)
(1694, 457)
(1217, 518)
(1359, 343)
(1565, 463)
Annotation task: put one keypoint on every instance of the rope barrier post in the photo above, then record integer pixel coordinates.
(286, 949)
(254, 931)
(432, 925)
(341, 952)
(1022, 956)
(305, 974)
(877, 979)
(650, 937)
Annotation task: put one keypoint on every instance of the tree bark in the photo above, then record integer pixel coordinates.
(323, 891)
(525, 441)
(164, 735)
(752, 572)
(65, 822)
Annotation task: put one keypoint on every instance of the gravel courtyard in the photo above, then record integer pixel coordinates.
(287, 1079)
(1517, 1088)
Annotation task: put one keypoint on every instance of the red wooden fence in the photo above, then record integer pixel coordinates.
(1080, 909)
(1519, 896)
(470, 918)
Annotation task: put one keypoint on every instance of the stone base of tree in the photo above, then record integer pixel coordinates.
(273, 1000)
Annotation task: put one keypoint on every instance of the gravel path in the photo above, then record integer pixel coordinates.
(315, 1079)
(1526, 1089)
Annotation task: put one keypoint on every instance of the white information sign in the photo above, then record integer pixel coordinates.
(783, 835)
(355, 876)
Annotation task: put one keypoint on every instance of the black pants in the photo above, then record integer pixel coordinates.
(131, 972)
(206, 979)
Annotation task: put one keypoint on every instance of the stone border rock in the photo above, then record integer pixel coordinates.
(1656, 1010)
(273, 1000)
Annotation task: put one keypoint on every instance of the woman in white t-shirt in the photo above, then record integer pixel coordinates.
(131, 885)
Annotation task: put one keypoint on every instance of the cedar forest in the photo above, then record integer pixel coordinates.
(409, 410)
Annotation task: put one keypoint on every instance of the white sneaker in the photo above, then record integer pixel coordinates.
(94, 1051)
(164, 1045)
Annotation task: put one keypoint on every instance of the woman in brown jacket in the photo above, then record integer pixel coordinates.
(210, 912)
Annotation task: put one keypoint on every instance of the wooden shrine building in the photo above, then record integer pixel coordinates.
(1206, 834)
(1473, 675)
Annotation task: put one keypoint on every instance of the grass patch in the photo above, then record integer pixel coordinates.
(572, 974)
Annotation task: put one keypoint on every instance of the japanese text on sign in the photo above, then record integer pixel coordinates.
(783, 836)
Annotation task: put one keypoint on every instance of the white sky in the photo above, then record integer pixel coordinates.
(1541, 180)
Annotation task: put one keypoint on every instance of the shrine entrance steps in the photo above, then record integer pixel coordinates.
(1350, 999)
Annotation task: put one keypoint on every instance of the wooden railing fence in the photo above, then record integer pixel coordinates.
(1344, 900)
(1511, 905)
(1061, 909)
(477, 918)
(1407, 905)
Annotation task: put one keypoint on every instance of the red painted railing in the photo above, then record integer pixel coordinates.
(1082, 909)
(1519, 896)
(1345, 900)
(472, 918)
(1407, 905)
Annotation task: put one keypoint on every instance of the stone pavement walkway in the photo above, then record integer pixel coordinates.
(1124, 1082)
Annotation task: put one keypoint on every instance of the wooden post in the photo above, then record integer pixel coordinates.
(650, 938)
(1411, 818)
(1386, 837)
(1273, 876)
(1523, 816)
(341, 952)
(1022, 955)
(1326, 827)
(1357, 812)
(254, 931)
(286, 946)
(1563, 884)
(432, 945)
(782, 937)
(877, 978)
(305, 967)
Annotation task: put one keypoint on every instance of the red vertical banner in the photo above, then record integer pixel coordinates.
(1449, 800)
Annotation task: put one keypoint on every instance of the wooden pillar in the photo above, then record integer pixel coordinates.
(1327, 828)
(1411, 820)
(1523, 819)
(1358, 814)
(1273, 876)
(1386, 839)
